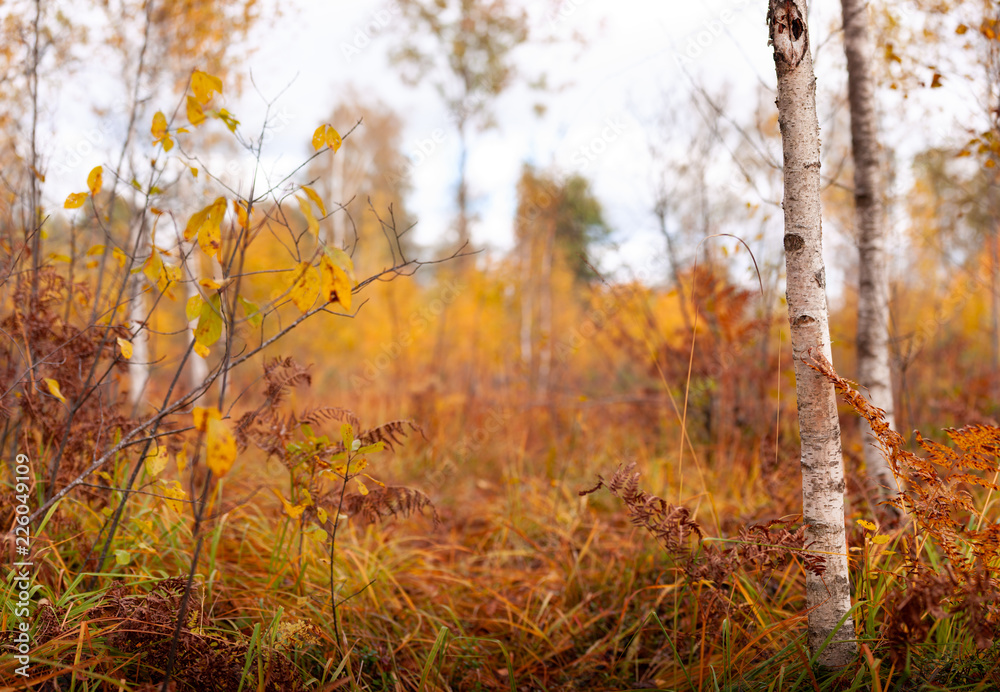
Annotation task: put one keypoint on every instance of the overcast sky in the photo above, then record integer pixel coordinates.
(595, 126)
(639, 56)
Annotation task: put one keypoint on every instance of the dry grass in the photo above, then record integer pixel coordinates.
(511, 579)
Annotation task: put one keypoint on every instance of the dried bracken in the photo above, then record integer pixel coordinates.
(708, 570)
(391, 433)
(670, 524)
(78, 361)
(774, 546)
(382, 503)
(204, 662)
(935, 494)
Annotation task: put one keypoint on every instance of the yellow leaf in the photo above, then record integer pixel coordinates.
(172, 273)
(342, 260)
(325, 135)
(160, 133)
(362, 488)
(175, 495)
(241, 214)
(126, 347)
(119, 256)
(316, 199)
(961, 29)
(311, 223)
(202, 415)
(159, 126)
(75, 200)
(205, 225)
(881, 539)
(193, 307)
(306, 287)
(335, 286)
(294, 511)
(251, 310)
(204, 86)
(194, 171)
(158, 272)
(322, 516)
(357, 465)
(333, 139)
(201, 349)
(54, 389)
(209, 327)
(155, 463)
(153, 266)
(319, 137)
(867, 524)
(182, 461)
(96, 250)
(220, 446)
(210, 284)
(227, 117)
(195, 114)
(95, 180)
(122, 557)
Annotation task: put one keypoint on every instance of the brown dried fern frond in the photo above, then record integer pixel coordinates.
(671, 525)
(380, 504)
(391, 433)
(263, 426)
(323, 414)
(204, 662)
(271, 434)
(936, 492)
(280, 375)
(772, 546)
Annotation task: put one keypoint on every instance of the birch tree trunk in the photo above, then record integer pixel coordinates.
(828, 596)
(138, 364)
(874, 373)
(197, 366)
(545, 311)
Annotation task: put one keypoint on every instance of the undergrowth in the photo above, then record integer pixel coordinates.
(516, 581)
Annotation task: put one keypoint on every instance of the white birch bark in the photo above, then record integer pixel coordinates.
(828, 597)
(874, 373)
(138, 364)
(197, 366)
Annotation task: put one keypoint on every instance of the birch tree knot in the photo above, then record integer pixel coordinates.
(793, 242)
(789, 34)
